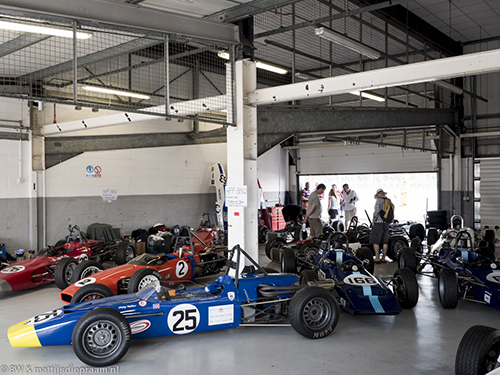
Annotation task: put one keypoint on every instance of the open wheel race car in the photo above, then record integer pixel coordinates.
(479, 352)
(40, 269)
(100, 330)
(359, 291)
(196, 256)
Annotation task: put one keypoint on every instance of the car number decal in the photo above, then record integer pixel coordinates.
(86, 281)
(43, 317)
(183, 319)
(360, 280)
(494, 277)
(181, 269)
(139, 326)
(13, 269)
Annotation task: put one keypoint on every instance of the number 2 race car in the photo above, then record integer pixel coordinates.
(40, 269)
(198, 258)
(100, 330)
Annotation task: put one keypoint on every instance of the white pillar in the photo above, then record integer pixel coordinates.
(242, 162)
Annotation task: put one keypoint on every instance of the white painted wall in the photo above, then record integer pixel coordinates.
(272, 171)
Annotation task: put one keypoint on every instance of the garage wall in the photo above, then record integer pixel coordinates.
(272, 171)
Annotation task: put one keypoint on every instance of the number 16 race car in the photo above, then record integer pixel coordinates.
(100, 330)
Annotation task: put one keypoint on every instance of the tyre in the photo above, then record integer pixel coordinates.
(262, 233)
(442, 226)
(365, 255)
(417, 230)
(396, 244)
(143, 278)
(307, 276)
(101, 337)
(313, 312)
(478, 351)
(3, 262)
(408, 259)
(437, 213)
(489, 237)
(338, 226)
(416, 244)
(432, 236)
(64, 272)
(124, 253)
(277, 242)
(90, 292)
(309, 251)
(448, 288)
(85, 269)
(288, 261)
(300, 234)
(405, 288)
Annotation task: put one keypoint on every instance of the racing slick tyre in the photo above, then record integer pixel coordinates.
(300, 234)
(85, 269)
(143, 278)
(396, 244)
(64, 272)
(432, 236)
(124, 253)
(416, 244)
(101, 337)
(262, 233)
(90, 292)
(408, 259)
(278, 242)
(365, 255)
(307, 276)
(288, 261)
(437, 214)
(478, 351)
(405, 288)
(448, 288)
(313, 312)
(417, 230)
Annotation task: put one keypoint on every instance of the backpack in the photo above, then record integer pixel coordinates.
(387, 211)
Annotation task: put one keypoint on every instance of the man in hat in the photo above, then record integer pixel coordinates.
(380, 229)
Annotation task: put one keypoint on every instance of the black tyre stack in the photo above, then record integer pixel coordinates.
(437, 219)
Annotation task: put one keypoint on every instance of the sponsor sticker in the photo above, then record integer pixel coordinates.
(139, 326)
(487, 297)
(231, 296)
(86, 281)
(142, 303)
(223, 314)
(156, 305)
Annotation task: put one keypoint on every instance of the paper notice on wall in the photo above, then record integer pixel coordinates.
(223, 314)
(236, 196)
(109, 195)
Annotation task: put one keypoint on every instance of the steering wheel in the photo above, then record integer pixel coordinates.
(348, 265)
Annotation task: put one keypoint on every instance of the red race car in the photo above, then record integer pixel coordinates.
(201, 256)
(40, 269)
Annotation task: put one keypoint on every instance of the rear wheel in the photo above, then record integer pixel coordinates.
(85, 269)
(144, 278)
(396, 244)
(478, 351)
(101, 337)
(313, 312)
(64, 272)
(365, 255)
(124, 253)
(448, 288)
(288, 261)
(91, 292)
(262, 233)
(277, 242)
(309, 251)
(307, 276)
(408, 259)
(405, 288)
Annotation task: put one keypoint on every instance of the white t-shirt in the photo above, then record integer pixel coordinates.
(347, 197)
(334, 203)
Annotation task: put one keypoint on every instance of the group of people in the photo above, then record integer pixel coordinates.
(344, 203)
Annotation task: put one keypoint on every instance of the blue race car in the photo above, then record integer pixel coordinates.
(100, 330)
(359, 291)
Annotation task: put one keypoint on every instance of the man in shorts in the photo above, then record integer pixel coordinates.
(350, 198)
(314, 212)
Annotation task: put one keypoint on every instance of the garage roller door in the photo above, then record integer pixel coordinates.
(490, 192)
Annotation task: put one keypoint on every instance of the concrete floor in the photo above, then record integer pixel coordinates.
(420, 341)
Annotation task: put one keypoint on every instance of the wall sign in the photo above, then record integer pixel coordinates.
(93, 171)
(109, 195)
(236, 196)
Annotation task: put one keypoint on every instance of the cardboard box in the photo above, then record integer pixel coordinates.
(140, 248)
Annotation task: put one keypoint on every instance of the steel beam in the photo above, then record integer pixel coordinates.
(427, 71)
(129, 15)
(249, 9)
(14, 136)
(20, 42)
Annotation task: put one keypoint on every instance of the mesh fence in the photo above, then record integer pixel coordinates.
(61, 61)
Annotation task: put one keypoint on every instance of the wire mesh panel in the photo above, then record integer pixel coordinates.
(62, 61)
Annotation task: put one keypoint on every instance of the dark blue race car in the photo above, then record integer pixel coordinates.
(100, 330)
(358, 290)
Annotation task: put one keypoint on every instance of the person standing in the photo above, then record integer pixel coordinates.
(379, 234)
(333, 203)
(305, 195)
(314, 212)
(350, 198)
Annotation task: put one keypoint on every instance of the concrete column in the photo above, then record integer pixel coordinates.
(242, 161)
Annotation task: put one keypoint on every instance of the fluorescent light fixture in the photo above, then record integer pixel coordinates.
(368, 95)
(115, 92)
(347, 42)
(30, 28)
(259, 64)
(449, 86)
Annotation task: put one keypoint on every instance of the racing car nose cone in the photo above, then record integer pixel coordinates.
(5, 286)
(23, 335)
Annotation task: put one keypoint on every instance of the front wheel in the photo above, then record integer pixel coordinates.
(101, 337)
(448, 288)
(85, 269)
(64, 272)
(396, 245)
(278, 242)
(124, 253)
(405, 288)
(408, 259)
(91, 292)
(478, 351)
(313, 312)
(143, 278)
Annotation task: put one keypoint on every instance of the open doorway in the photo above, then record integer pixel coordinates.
(413, 194)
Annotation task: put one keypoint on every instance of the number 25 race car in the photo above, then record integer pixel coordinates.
(100, 330)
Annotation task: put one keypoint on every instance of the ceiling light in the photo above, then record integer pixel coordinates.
(347, 42)
(115, 92)
(368, 95)
(30, 28)
(259, 64)
(449, 86)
